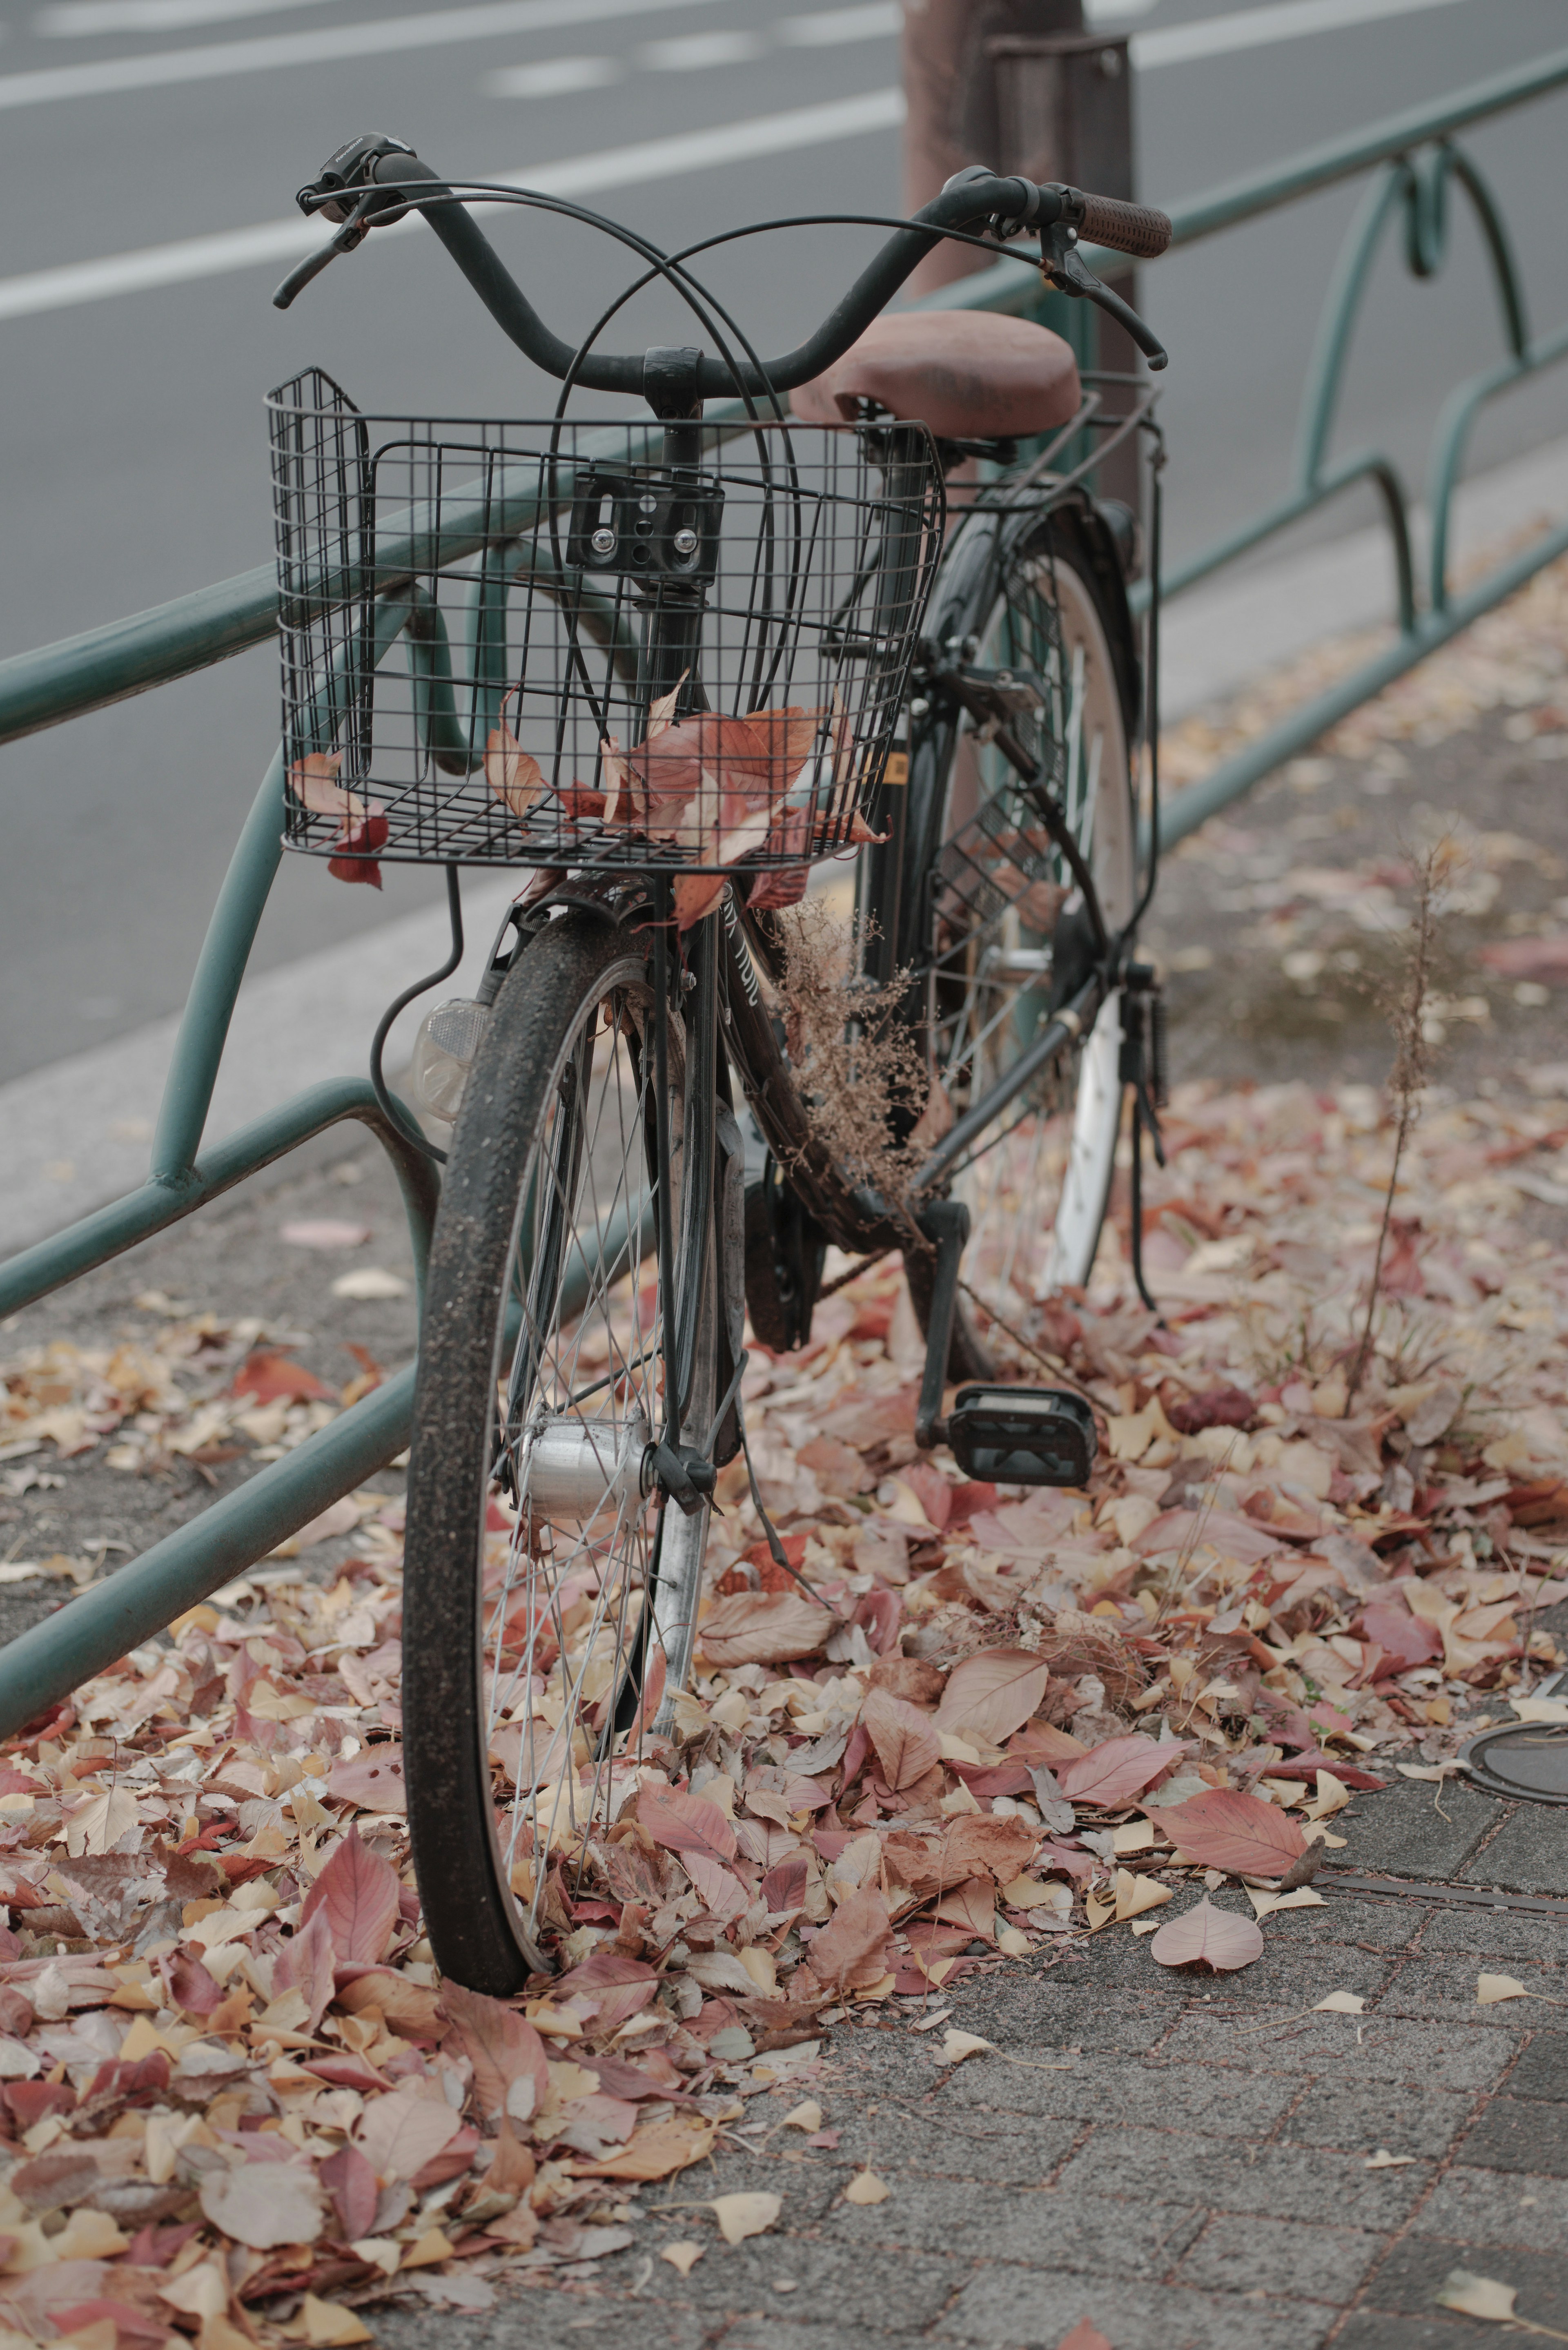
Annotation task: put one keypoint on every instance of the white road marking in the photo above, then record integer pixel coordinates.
(386, 37)
(87, 19)
(881, 20)
(691, 52)
(554, 77)
(581, 176)
(1253, 29)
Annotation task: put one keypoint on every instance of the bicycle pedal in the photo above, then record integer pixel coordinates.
(1023, 1436)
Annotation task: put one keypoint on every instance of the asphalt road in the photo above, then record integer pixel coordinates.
(132, 448)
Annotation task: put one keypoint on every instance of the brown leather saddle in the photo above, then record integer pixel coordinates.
(967, 375)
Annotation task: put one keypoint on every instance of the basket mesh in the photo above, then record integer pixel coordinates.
(545, 645)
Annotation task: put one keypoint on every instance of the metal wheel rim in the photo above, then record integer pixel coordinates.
(563, 1606)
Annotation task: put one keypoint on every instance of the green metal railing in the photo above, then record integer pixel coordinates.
(1415, 165)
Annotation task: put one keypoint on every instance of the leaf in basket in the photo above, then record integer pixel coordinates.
(314, 783)
(790, 836)
(357, 844)
(708, 758)
(362, 824)
(513, 774)
(662, 712)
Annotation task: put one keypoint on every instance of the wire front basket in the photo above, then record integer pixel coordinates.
(618, 645)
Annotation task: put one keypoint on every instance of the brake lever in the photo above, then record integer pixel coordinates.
(1062, 266)
(352, 233)
(347, 179)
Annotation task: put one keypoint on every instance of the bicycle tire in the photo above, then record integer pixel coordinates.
(549, 1148)
(1039, 593)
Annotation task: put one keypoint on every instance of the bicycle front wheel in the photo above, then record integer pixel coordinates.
(994, 930)
(549, 1601)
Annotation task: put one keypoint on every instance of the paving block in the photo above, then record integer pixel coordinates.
(1371, 2047)
(1362, 2115)
(937, 2142)
(852, 2289)
(1518, 2133)
(1542, 2068)
(1037, 2230)
(1255, 2255)
(1401, 1832)
(1098, 2087)
(1365, 2330)
(1278, 2181)
(1499, 1938)
(1014, 2308)
(1444, 1985)
(1417, 2267)
(1528, 1854)
(1497, 2207)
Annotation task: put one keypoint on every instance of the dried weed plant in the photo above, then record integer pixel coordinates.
(858, 1063)
(1406, 1004)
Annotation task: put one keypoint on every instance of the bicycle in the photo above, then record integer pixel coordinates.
(657, 666)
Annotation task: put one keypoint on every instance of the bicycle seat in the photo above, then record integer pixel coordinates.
(968, 374)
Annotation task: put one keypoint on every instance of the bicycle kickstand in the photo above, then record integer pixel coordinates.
(1143, 1069)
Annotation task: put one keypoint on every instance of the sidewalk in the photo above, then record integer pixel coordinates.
(1190, 2179)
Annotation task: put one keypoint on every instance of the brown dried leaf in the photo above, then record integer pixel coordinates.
(686, 1824)
(1238, 1833)
(763, 1627)
(847, 1952)
(905, 1738)
(1114, 1772)
(1205, 1936)
(992, 1694)
(358, 1892)
(265, 2204)
(510, 2073)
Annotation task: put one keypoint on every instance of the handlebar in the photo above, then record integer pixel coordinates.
(361, 185)
(1137, 229)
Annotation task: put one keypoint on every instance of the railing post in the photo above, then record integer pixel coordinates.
(953, 119)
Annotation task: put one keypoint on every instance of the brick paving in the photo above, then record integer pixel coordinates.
(1194, 2177)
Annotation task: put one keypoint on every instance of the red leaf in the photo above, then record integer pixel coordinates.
(903, 1737)
(1215, 1408)
(355, 2191)
(992, 1694)
(686, 1824)
(272, 1378)
(848, 1950)
(504, 2049)
(1225, 1829)
(1084, 2336)
(359, 840)
(1208, 1937)
(306, 1965)
(358, 1892)
(190, 1985)
(1401, 1636)
(784, 1888)
(1115, 1772)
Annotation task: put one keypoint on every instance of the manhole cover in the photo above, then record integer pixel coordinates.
(1528, 1758)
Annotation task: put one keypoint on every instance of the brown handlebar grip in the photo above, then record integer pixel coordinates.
(1137, 229)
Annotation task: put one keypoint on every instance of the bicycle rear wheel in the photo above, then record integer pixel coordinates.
(548, 1600)
(994, 933)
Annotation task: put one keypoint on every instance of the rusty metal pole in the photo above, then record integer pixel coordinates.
(949, 85)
